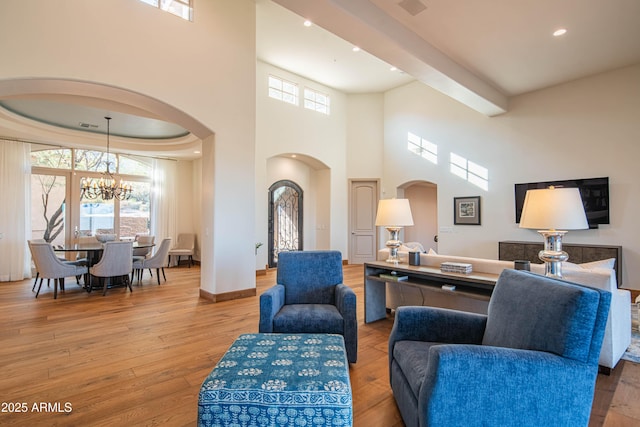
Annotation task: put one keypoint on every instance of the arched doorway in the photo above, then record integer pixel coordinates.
(423, 197)
(285, 219)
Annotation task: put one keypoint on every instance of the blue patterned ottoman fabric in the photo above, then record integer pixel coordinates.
(279, 380)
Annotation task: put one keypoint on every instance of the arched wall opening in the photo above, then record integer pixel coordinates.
(314, 178)
(97, 96)
(423, 198)
(113, 99)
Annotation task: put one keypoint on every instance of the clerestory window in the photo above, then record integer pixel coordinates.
(283, 90)
(317, 101)
(181, 8)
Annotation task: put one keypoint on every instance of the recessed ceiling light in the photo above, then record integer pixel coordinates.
(308, 23)
(393, 69)
(356, 49)
(294, 156)
(196, 152)
(560, 32)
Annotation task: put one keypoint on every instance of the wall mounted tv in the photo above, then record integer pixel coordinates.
(594, 193)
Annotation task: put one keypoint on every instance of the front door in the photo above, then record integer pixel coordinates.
(285, 219)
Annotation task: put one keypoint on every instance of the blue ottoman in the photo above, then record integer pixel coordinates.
(279, 380)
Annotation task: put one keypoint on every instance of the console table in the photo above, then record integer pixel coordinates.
(472, 291)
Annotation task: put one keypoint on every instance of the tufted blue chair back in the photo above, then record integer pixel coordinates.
(309, 277)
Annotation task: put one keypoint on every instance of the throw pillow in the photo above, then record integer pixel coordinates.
(605, 263)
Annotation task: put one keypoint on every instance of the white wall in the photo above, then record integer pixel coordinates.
(365, 135)
(585, 128)
(189, 183)
(205, 69)
(320, 140)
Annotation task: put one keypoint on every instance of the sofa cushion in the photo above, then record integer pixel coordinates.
(526, 325)
(309, 318)
(412, 357)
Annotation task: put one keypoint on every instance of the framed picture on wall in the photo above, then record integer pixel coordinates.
(466, 210)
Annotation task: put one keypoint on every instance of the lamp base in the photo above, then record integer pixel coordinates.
(393, 244)
(552, 254)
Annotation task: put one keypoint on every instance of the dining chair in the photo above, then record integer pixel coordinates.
(157, 261)
(141, 253)
(116, 261)
(49, 266)
(35, 281)
(184, 247)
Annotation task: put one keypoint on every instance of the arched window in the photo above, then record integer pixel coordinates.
(285, 219)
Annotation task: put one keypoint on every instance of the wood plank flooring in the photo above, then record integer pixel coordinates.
(139, 358)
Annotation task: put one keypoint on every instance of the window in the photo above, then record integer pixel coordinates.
(129, 165)
(181, 8)
(470, 171)
(56, 159)
(283, 90)
(56, 177)
(94, 161)
(422, 147)
(316, 101)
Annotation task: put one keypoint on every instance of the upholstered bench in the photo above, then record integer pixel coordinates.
(279, 379)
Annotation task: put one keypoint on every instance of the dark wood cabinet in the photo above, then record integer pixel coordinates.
(578, 253)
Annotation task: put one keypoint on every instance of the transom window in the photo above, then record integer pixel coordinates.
(181, 8)
(317, 101)
(283, 90)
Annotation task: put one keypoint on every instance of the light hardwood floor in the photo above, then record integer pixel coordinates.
(139, 358)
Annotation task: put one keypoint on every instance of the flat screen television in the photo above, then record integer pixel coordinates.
(594, 193)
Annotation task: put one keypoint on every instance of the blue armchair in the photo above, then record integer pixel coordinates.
(532, 361)
(309, 297)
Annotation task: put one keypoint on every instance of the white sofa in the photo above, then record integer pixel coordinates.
(618, 330)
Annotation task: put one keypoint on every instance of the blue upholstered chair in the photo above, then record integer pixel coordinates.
(309, 297)
(532, 361)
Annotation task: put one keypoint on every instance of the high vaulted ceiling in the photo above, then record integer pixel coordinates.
(478, 52)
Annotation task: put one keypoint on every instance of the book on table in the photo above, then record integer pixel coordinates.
(393, 277)
(456, 267)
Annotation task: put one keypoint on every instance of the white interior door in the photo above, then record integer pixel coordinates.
(363, 242)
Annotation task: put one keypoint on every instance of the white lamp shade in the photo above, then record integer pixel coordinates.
(394, 213)
(553, 209)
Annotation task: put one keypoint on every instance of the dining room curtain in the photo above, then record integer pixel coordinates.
(15, 216)
(163, 196)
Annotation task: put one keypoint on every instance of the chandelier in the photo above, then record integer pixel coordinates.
(106, 187)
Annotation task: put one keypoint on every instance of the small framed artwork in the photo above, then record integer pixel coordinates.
(466, 210)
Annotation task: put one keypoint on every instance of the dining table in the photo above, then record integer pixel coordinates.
(94, 253)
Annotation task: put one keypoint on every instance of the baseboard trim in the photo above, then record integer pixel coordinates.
(227, 296)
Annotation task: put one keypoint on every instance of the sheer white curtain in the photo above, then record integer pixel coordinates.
(15, 215)
(163, 197)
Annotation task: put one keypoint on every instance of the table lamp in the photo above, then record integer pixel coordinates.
(393, 214)
(552, 211)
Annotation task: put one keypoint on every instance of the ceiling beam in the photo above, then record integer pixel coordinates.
(364, 24)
